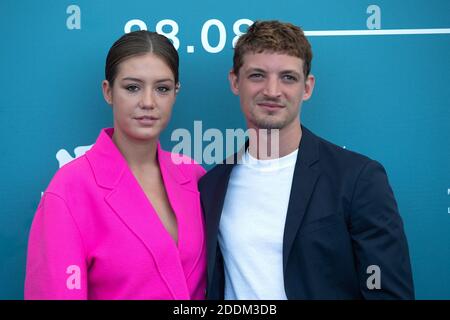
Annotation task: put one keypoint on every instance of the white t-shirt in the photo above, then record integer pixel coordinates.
(252, 227)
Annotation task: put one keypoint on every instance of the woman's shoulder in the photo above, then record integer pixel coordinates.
(70, 177)
(186, 164)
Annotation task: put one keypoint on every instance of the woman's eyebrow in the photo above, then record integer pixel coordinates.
(132, 79)
(140, 80)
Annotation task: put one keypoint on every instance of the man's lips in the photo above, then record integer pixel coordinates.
(270, 105)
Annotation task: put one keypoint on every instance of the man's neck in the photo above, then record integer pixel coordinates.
(265, 144)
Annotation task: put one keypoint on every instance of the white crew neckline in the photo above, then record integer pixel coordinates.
(269, 164)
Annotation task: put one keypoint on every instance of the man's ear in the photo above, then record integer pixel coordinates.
(107, 91)
(309, 87)
(233, 78)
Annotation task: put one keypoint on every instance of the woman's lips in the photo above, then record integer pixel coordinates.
(146, 120)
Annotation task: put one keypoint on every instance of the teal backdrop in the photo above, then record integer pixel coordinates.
(384, 95)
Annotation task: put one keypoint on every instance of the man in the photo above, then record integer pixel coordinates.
(309, 221)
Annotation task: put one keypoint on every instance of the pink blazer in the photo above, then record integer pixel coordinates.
(96, 236)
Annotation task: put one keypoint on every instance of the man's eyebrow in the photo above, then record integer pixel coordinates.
(255, 70)
(298, 74)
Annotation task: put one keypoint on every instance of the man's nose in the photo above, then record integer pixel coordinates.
(272, 88)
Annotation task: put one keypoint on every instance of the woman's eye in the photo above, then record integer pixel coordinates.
(132, 88)
(163, 89)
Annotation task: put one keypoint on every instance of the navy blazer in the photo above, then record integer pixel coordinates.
(342, 218)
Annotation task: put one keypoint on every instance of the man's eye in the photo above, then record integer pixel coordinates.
(256, 76)
(288, 77)
(132, 88)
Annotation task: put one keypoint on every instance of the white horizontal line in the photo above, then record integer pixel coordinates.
(376, 32)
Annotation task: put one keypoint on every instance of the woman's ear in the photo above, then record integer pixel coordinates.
(107, 91)
(177, 87)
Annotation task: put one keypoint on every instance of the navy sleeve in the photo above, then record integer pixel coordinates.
(379, 242)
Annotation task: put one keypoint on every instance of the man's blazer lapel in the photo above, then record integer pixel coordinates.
(303, 184)
(213, 201)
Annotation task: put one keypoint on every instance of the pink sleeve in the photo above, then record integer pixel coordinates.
(56, 263)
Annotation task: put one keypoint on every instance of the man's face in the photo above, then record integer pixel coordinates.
(271, 87)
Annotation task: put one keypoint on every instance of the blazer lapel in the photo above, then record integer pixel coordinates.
(131, 205)
(303, 183)
(184, 199)
(215, 206)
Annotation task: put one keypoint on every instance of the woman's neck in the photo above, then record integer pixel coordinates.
(139, 154)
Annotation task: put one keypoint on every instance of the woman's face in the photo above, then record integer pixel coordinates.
(142, 97)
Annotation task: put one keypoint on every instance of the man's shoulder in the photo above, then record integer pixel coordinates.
(339, 161)
(344, 167)
(329, 151)
(214, 175)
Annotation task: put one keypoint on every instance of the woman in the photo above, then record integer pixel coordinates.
(124, 221)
